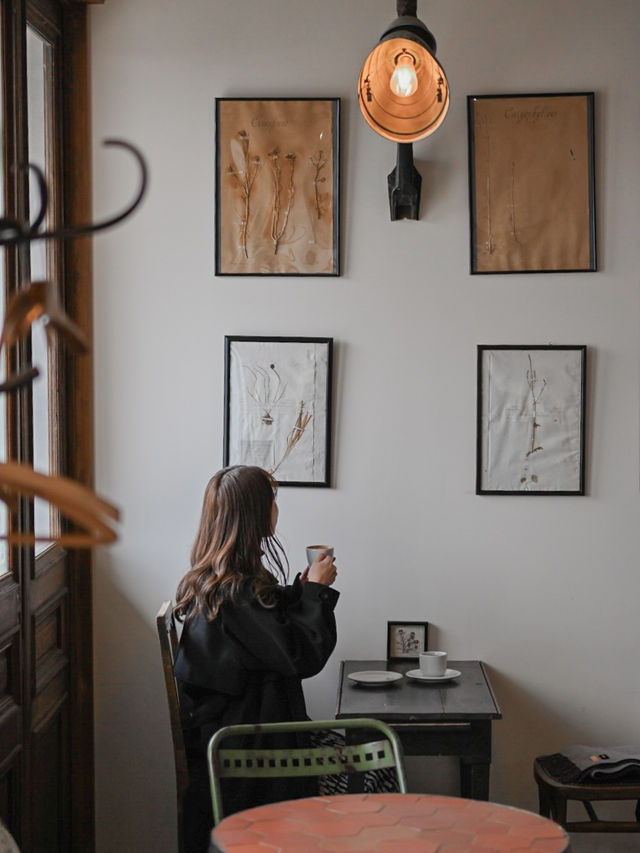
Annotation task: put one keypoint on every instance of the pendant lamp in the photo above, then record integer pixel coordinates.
(404, 96)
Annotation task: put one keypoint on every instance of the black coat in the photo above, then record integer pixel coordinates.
(246, 666)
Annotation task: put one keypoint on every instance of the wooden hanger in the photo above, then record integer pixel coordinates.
(76, 502)
(37, 300)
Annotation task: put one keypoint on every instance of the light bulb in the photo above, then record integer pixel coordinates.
(404, 80)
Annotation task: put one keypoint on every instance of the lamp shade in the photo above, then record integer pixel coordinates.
(396, 116)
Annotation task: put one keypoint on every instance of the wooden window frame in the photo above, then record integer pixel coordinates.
(77, 445)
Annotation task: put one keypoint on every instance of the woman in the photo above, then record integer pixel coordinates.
(247, 640)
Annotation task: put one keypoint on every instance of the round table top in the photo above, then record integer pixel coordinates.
(387, 823)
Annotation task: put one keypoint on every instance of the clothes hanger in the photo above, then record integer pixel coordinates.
(37, 300)
(26, 306)
(76, 502)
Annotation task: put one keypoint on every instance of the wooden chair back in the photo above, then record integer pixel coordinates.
(168, 636)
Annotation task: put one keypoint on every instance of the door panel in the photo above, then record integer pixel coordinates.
(49, 771)
(46, 781)
(11, 712)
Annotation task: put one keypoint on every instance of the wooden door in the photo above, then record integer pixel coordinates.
(46, 762)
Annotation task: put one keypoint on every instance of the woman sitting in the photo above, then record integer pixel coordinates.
(248, 639)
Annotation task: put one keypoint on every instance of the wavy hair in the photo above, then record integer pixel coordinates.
(234, 535)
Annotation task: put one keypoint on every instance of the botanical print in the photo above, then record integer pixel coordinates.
(532, 183)
(277, 407)
(406, 640)
(277, 194)
(531, 419)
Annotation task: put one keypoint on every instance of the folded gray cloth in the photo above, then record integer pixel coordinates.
(582, 763)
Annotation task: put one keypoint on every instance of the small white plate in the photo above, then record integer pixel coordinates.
(377, 677)
(417, 674)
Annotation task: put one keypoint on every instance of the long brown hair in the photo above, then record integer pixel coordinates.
(233, 536)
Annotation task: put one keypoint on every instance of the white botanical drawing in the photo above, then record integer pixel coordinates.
(531, 423)
(277, 407)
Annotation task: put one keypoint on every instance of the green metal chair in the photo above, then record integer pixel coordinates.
(384, 751)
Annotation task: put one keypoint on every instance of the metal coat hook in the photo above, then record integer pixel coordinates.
(13, 232)
(91, 514)
(38, 299)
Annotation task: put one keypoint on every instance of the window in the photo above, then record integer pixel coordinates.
(40, 118)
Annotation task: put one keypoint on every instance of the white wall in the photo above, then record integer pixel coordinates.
(544, 590)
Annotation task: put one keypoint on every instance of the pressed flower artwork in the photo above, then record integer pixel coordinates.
(277, 187)
(278, 407)
(531, 406)
(532, 183)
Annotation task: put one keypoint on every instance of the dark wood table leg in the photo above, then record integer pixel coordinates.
(474, 779)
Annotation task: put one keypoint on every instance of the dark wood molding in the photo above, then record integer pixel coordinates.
(78, 429)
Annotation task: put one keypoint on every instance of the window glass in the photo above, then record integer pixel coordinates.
(39, 88)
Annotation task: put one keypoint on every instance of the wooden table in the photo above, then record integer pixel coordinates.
(448, 718)
(387, 823)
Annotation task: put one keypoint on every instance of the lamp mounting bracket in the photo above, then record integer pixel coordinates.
(407, 7)
(404, 184)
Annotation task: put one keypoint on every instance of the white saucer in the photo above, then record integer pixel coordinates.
(375, 677)
(417, 674)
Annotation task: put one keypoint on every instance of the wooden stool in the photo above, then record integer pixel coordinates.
(554, 795)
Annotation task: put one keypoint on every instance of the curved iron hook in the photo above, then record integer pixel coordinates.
(11, 232)
(44, 197)
(90, 228)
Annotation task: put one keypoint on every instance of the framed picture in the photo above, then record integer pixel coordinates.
(531, 413)
(532, 183)
(278, 407)
(405, 640)
(277, 186)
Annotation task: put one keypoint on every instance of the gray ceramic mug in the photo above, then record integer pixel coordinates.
(433, 664)
(314, 550)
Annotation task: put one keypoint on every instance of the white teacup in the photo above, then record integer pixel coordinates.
(433, 664)
(314, 550)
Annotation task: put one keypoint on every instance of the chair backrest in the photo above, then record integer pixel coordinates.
(258, 763)
(168, 635)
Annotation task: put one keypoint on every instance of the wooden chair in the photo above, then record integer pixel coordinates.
(554, 795)
(168, 647)
(381, 751)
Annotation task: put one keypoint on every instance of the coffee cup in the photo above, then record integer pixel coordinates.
(314, 551)
(433, 664)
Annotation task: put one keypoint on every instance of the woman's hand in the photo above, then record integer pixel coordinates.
(322, 570)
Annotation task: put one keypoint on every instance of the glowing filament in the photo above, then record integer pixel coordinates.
(404, 80)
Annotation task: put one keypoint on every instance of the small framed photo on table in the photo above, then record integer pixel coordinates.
(405, 640)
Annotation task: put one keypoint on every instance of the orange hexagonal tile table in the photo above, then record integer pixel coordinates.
(387, 823)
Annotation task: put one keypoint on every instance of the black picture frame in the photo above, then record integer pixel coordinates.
(531, 406)
(278, 406)
(277, 200)
(532, 183)
(405, 640)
